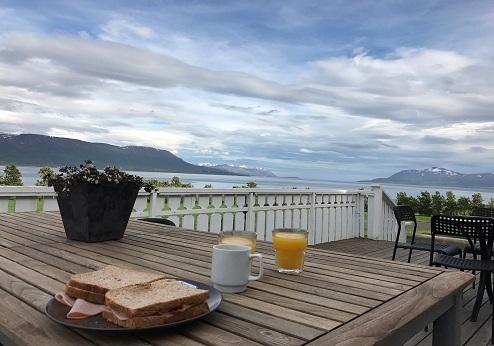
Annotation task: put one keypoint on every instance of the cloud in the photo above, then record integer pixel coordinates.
(120, 29)
(86, 63)
(410, 85)
(479, 149)
(437, 140)
(280, 86)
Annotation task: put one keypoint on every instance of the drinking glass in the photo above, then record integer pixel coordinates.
(238, 238)
(289, 245)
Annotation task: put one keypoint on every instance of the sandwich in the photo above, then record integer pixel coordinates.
(85, 293)
(92, 286)
(130, 298)
(154, 303)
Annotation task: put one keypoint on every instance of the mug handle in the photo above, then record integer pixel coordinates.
(259, 257)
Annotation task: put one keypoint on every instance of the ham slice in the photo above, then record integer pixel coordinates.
(80, 307)
(120, 316)
(64, 299)
(83, 309)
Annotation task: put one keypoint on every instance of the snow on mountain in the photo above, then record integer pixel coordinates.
(240, 169)
(438, 170)
(438, 176)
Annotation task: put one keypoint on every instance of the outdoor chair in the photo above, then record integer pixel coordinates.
(405, 213)
(483, 212)
(469, 228)
(159, 220)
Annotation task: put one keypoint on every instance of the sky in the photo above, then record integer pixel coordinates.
(340, 90)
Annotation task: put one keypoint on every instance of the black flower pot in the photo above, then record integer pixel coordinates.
(93, 213)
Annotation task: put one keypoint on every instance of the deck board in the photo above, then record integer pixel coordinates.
(473, 333)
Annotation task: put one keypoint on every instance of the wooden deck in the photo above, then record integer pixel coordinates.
(473, 333)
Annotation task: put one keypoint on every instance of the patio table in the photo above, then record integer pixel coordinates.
(338, 299)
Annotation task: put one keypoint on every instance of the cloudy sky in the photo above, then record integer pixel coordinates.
(324, 89)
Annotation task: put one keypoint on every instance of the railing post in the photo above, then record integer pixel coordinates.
(361, 215)
(370, 215)
(375, 230)
(312, 224)
(153, 199)
(4, 204)
(249, 218)
(403, 234)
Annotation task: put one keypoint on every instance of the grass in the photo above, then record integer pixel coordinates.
(11, 205)
(423, 218)
(423, 225)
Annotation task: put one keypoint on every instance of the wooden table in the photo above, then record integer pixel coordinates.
(338, 299)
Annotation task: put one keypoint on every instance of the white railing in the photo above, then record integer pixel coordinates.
(328, 215)
(382, 224)
(27, 198)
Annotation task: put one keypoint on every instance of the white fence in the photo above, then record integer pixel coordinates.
(328, 215)
(381, 221)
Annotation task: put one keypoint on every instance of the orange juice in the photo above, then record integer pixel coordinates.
(238, 238)
(290, 248)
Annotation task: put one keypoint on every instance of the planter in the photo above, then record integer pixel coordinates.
(93, 213)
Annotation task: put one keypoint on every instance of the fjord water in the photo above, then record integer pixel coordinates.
(30, 175)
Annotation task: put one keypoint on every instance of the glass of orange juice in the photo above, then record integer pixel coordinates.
(289, 245)
(239, 238)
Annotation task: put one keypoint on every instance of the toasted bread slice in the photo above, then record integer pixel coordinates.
(110, 277)
(96, 298)
(156, 297)
(155, 320)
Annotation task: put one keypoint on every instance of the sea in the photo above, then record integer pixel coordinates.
(30, 175)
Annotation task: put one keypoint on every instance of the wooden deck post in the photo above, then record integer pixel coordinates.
(375, 226)
(403, 234)
(152, 203)
(312, 224)
(249, 219)
(361, 215)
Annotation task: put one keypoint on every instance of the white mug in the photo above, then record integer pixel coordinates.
(231, 267)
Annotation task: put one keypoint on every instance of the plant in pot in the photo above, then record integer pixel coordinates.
(95, 205)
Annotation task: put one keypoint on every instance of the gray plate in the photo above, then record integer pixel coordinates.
(57, 312)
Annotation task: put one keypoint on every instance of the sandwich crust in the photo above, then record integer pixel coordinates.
(156, 297)
(110, 277)
(155, 320)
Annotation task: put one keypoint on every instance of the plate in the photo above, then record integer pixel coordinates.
(57, 312)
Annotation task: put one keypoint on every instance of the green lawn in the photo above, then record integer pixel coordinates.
(423, 218)
(423, 225)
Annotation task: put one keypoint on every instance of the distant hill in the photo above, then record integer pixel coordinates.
(437, 176)
(39, 150)
(243, 170)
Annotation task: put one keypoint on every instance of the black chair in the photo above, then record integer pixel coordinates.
(406, 213)
(482, 212)
(469, 228)
(159, 220)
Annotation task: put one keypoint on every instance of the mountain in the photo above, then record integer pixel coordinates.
(437, 176)
(39, 150)
(242, 170)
